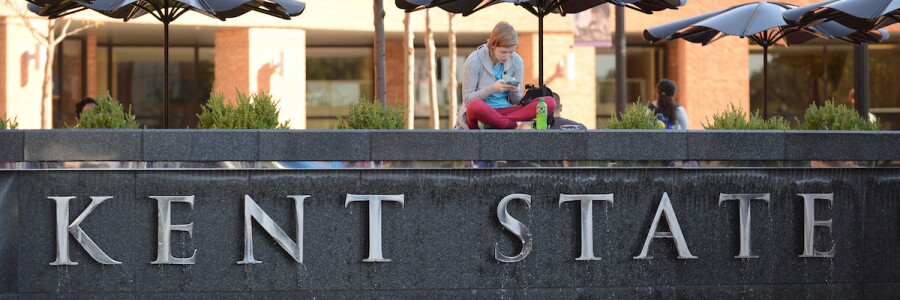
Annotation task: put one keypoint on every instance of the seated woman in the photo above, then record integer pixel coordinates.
(670, 113)
(491, 87)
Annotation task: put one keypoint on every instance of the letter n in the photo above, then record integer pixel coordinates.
(254, 212)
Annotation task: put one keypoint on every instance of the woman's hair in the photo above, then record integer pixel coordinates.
(666, 105)
(503, 35)
(79, 107)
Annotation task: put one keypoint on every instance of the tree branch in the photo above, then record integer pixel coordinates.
(38, 34)
(75, 31)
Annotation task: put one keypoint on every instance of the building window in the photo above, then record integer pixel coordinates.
(137, 80)
(804, 74)
(645, 68)
(335, 78)
(68, 79)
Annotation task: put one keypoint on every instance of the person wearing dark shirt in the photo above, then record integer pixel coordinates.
(563, 123)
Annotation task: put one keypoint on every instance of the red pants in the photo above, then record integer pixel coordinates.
(506, 117)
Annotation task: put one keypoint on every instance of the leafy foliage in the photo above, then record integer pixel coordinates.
(835, 117)
(9, 123)
(107, 114)
(258, 111)
(370, 115)
(635, 116)
(735, 118)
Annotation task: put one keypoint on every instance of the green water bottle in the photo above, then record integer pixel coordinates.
(541, 120)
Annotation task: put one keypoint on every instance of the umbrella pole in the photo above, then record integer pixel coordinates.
(541, 53)
(621, 62)
(166, 77)
(861, 79)
(765, 83)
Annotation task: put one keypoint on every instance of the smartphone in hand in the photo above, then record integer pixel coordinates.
(512, 82)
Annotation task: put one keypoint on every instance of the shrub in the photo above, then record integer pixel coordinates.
(736, 119)
(635, 117)
(106, 114)
(9, 123)
(834, 117)
(370, 115)
(257, 111)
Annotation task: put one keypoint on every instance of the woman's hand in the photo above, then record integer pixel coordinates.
(501, 86)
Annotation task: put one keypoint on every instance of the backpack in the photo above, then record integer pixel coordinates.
(665, 120)
(532, 92)
(670, 124)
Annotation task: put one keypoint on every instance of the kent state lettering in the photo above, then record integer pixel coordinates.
(294, 247)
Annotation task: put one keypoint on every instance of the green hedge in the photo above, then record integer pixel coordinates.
(9, 123)
(257, 111)
(635, 116)
(735, 118)
(835, 117)
(371, 115)
(106, 114)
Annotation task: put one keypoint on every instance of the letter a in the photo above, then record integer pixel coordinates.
(665, 208)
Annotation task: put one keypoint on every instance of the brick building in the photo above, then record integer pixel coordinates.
(321, 61)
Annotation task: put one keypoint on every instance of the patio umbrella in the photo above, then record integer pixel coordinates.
(411, 5)
(167, 11)
(761, 22)
(540, 8)
(861, 15)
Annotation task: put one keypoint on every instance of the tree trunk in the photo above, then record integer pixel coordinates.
(451, 85)
(409, 62)
(432, 76)
(48, 39)
(380, 73)
(47, 84)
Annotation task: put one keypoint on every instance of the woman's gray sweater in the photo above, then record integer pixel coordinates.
(478, 77)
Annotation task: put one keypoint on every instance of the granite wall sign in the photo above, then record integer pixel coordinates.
(145, 230)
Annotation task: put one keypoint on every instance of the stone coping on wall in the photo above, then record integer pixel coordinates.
(442, 145)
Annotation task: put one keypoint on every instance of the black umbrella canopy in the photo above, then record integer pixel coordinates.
(863, 15)
(60, 8)
(763, 23)
(467, 7)
(411, 5)
(645, 6)
(167, 11)
(170, 9)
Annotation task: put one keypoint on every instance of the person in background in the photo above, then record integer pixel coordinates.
(491, 87)
(852, 97)
(670, 113)
(83, 105)
(563, 123)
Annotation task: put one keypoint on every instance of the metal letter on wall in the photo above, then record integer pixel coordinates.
(744, 219)
(62, 239)
(165, 228)
(665, 208)
(252, 210)
(810, 223)
(515, 227)
(587, 220)
(375, 254)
